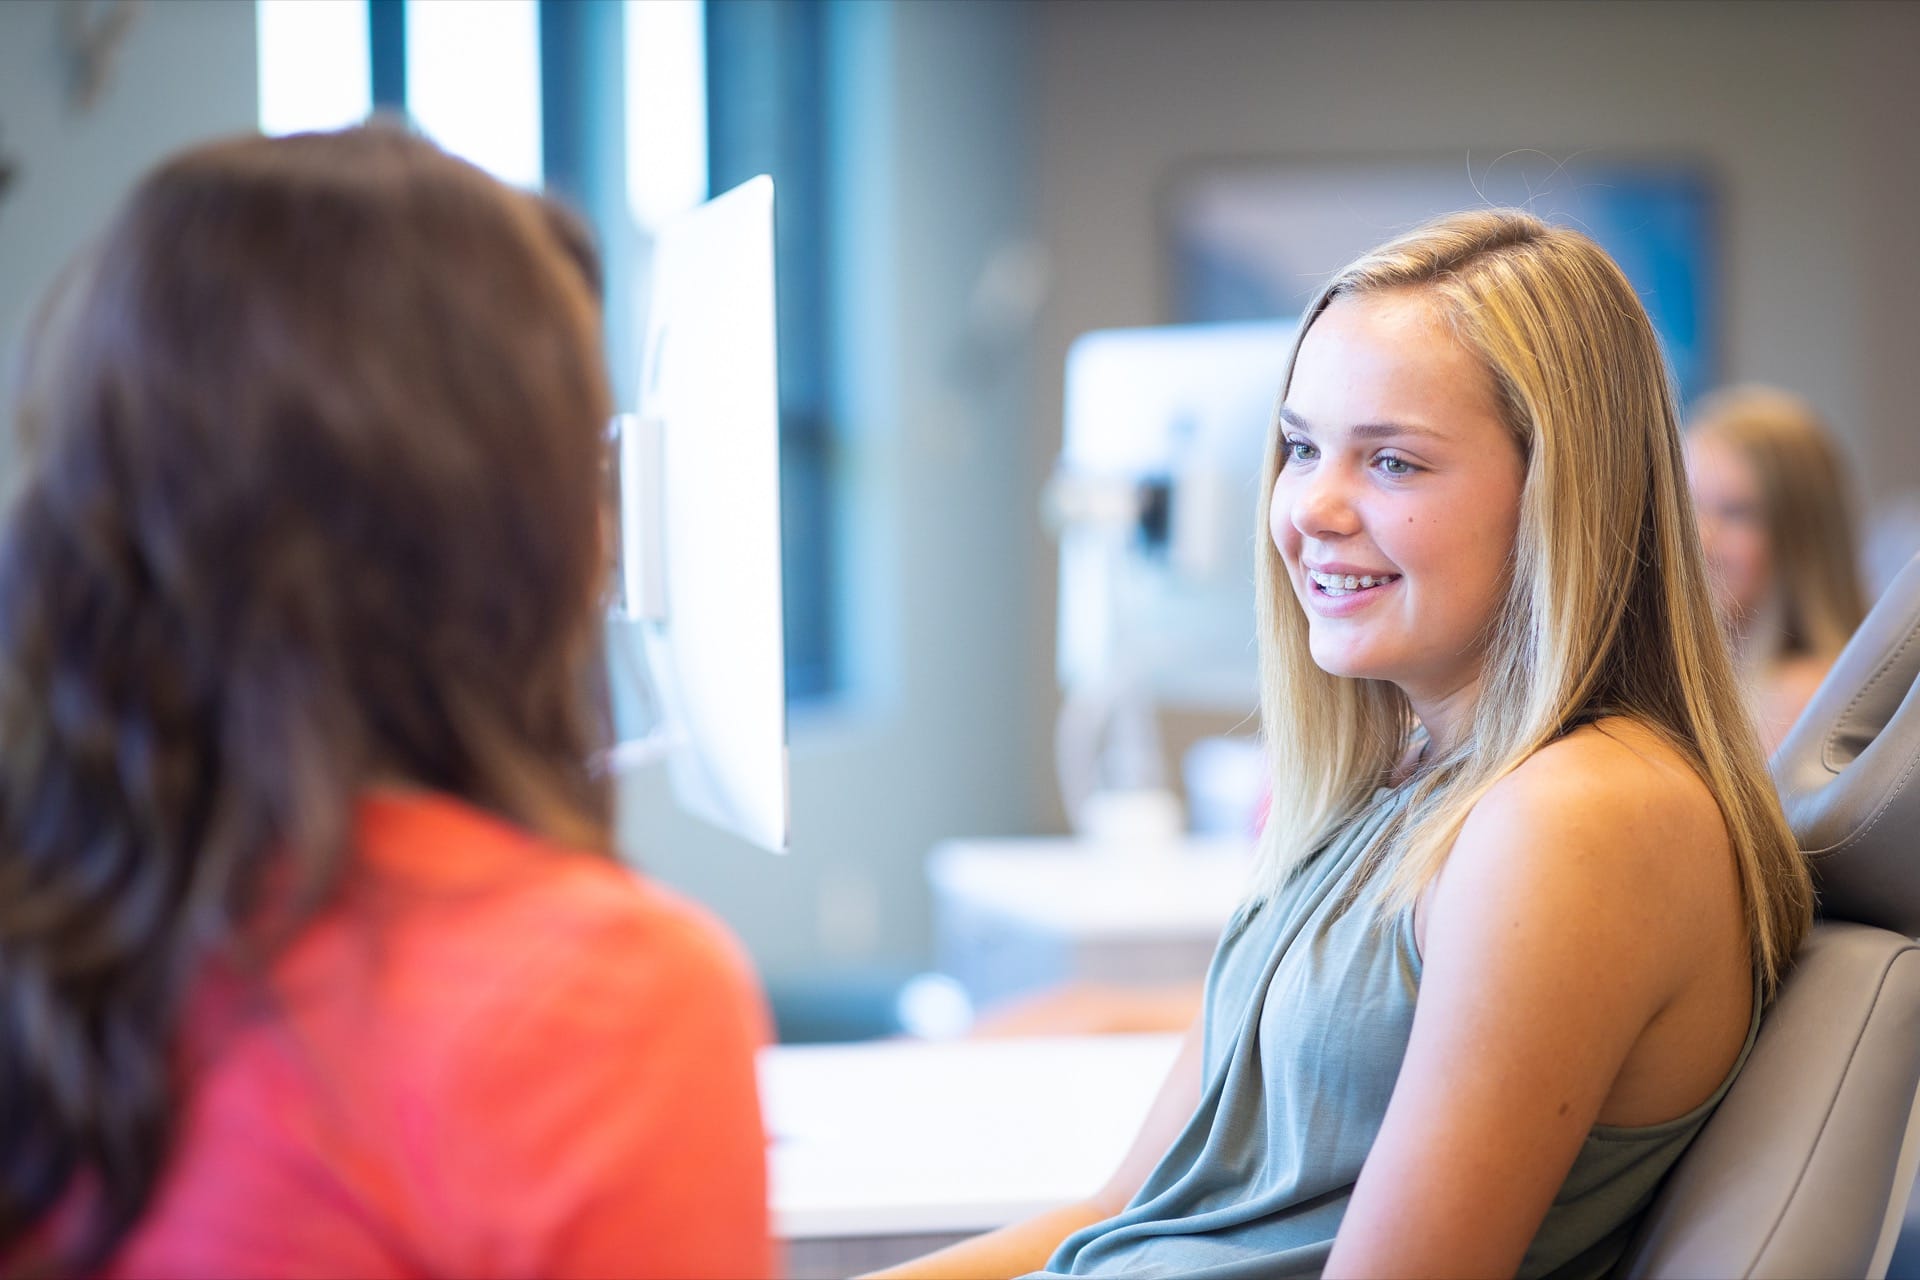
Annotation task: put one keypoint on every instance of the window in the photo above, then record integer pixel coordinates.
(766, 113)
(314, 67)
(666, 108)
(473, 82)
(709, 95)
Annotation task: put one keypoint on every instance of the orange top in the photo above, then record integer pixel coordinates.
(490, 1057)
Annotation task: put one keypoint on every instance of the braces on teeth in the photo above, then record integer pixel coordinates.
(1348, 582)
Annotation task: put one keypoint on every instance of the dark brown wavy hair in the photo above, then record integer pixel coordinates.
(310, 505)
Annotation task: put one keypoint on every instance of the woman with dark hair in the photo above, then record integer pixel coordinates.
(311, 958)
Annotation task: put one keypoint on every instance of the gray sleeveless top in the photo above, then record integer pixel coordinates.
(1307, 1020)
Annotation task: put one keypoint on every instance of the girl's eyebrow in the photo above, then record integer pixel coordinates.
(1365, 430)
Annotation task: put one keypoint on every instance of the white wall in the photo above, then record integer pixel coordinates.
(185, 71)
(1806, 112)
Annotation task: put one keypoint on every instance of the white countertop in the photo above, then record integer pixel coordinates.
(903, 1137)
(1083, 890)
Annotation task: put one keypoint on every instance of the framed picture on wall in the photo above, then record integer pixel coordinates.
(1256, 240)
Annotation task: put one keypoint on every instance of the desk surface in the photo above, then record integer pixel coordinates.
(908, 1137)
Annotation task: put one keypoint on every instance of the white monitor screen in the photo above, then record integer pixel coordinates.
(696, 655)
(1173, 420)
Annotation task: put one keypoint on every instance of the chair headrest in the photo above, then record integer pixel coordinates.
(1847, 770)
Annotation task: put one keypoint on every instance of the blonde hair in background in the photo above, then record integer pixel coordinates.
(1606, 611)
(1803, 493)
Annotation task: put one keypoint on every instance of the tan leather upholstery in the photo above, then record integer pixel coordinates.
(1793, 1176)
(1805, 1169)
(1847, 770)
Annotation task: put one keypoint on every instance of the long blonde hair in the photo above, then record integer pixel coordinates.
(1606, 611)
(1803, 494)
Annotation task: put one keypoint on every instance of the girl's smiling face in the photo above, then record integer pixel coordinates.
(1398, 500)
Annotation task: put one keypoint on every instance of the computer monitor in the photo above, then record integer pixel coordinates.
(695, 657)
(1155, 500)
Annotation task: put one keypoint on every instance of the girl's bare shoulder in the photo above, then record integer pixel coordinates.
(1619, 790)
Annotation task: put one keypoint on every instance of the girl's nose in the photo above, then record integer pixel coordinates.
(1321, 503)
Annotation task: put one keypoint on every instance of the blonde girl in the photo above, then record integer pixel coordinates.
(1527, 885)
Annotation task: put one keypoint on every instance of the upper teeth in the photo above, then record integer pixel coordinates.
(1347, 582)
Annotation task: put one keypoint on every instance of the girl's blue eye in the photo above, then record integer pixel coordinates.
(1396, 466)
(1300, 451)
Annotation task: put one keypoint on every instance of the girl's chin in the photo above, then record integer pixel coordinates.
(1349, 666)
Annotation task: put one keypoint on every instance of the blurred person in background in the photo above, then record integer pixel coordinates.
(313, 957)
(1770, 494)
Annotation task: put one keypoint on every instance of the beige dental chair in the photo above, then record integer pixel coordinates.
(1806, 1168)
